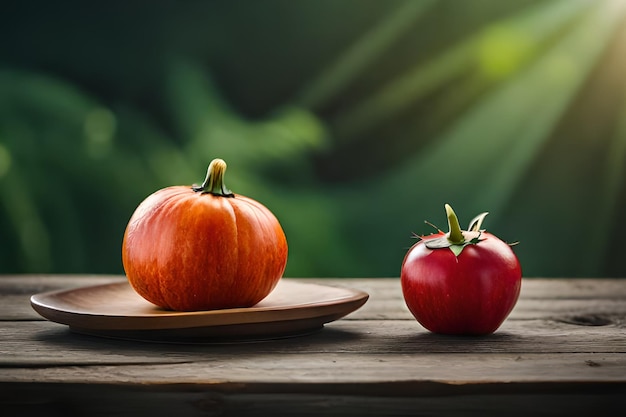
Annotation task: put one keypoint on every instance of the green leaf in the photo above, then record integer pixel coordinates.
(456, 249)
(443, 242)
(474, 225)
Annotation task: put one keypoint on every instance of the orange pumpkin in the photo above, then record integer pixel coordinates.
(203, 248)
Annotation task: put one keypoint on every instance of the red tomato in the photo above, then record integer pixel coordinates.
(461, 282)
(203, 248)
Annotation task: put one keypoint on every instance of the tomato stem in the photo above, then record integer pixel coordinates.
(456, 239)
(214, 181)
(455, 235)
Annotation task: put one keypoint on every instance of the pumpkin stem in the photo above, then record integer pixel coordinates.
(455, 235)
(214, 181)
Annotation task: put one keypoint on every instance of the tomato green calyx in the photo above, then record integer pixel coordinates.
(214, 181)
(456, 239)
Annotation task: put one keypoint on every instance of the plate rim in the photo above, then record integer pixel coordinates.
(325, 310)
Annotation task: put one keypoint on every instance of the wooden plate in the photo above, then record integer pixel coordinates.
(116, 310)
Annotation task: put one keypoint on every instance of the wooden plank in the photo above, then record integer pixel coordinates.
(361, 400)
(543, 288)
(17, 308)
(33, 284)
(220, 368)
(47, 344)
(16, 290)
(590, 311)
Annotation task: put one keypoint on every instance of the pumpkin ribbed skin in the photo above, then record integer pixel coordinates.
(187, 251)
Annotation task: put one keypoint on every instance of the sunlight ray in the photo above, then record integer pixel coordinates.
(607, 209)
(360, 55)
(536, 24)
(498, 139)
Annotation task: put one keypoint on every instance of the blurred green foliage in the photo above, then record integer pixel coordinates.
(353, 121)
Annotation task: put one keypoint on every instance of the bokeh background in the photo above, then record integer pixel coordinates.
(352, 120)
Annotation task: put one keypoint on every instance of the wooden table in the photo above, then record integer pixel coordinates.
(561, 352)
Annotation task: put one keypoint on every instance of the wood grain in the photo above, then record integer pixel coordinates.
(561, 352)
(47, 343)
